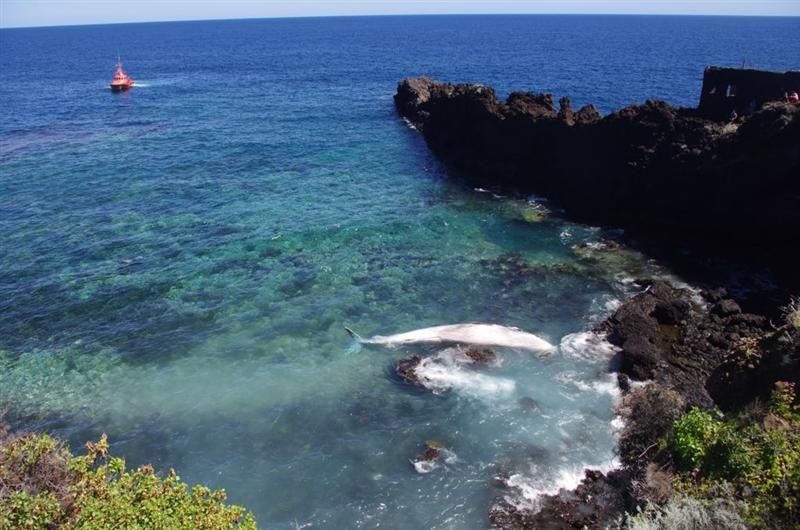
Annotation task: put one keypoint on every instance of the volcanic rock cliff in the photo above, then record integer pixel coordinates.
(652, 169)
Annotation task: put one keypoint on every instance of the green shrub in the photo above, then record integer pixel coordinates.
(693, 435)
(759, 456)
(730, 455)
(20, 510)
(42, 486)
(782, 400)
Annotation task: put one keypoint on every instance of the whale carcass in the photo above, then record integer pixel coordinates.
(480, 334)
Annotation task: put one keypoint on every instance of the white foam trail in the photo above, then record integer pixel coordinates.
(445, 371)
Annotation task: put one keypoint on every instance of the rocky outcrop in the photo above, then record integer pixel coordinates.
(596, 503)
(695, 349)
(703, 346)
(406, 369)
(652, 168)
(751, 368)
(674, 337)
(480, 354)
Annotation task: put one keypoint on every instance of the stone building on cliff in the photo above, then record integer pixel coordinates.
(742, 90)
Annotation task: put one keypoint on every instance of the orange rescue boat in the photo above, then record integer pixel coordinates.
(121, 80)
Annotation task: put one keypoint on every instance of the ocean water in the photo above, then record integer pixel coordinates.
(178, 262)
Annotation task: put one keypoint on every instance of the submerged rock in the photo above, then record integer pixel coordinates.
(453, 369)
(528, 403)
(406, 366)
(429, 459)
(481, 354)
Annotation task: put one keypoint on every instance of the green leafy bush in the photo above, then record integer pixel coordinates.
(693, 435)
(43, 486)
(759, 456)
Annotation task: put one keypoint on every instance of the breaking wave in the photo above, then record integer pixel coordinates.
(587, 346)
(528, 489)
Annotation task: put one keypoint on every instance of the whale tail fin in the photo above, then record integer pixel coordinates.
(356, 346)
(354, 334)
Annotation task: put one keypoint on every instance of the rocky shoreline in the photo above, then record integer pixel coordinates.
(692, 350)
(657, 171)
(671, 176)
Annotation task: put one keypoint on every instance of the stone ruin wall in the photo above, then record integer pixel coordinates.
(743, 90)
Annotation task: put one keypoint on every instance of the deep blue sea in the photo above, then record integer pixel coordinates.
(177, 263)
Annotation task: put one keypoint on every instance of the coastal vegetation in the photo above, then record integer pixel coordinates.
(700, 467)
(44, 486)
(752, 457)
(716, 470)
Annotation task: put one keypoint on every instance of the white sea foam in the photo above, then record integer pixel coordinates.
(603, 307)
(449, 457)
(587, 346)
(446, 456)
(409, 124)
(448, 370)
(423, 467)
(571, 378)
(608, 385)
(617, 424)
(612, 304)
(530, 487)
(538, 206)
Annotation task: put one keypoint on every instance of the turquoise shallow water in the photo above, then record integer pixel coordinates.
(179, 262)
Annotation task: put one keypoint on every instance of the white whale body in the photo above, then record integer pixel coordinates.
(477, 334)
